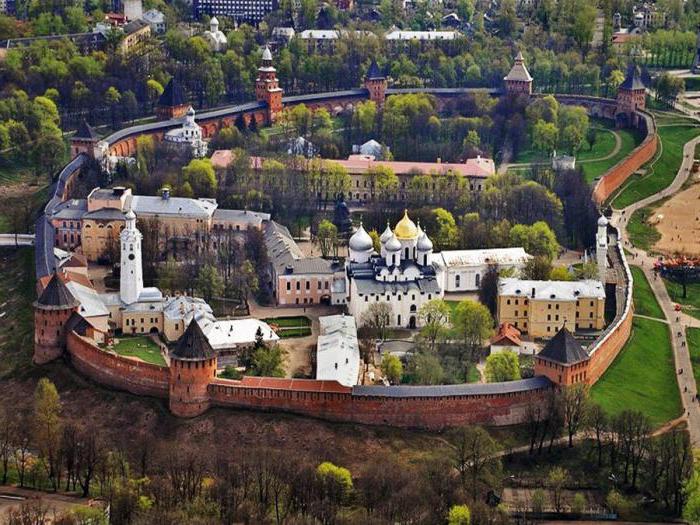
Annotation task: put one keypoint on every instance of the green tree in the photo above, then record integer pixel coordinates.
(545, 136)
(587, 270)
(425, 369)
(556, 479)
(476, 459)
(459, 515)
(377, 318)
(691, 490)
(201, 176)
(268, 361)
(502, 366)
(435, 317)
(170, 276)
(47, 427)
(327, 237)
(538, 268)
(48, 152)
(209, 282)
(392, 368)
(560, 273)
(446, 235)
(537, 239)
(473, 324)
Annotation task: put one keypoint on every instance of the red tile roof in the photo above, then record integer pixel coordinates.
(507, 335)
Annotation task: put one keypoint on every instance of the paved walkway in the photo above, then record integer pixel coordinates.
(677, 321)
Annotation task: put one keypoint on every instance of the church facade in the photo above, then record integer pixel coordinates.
(401, 275)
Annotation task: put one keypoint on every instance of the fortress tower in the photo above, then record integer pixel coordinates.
(51, 313)
(376, 83)
(518, 80)
(601, 248)
(84, 141)
(631, 96)
(172, 102)
(131, 275)
(267, 87)
(192, 368)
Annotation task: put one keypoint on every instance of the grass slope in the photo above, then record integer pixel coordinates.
(660, 172)
(642, 377)
(630, 139)
(693, 336)
(640, 232)
(645, 302)
(142, 347)
(691, 304)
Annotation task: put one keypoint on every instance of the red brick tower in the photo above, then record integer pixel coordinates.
(376, 83)
(267, 88)
(84, 140)
(51, 313)
(172, 102)
(518, 80)
(631, 96)
(192, 368)
(563, 360)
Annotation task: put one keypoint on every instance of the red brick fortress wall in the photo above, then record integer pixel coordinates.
(616, 176)
(115, 371)
(340, 404)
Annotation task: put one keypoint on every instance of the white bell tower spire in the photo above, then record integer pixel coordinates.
(131, 280)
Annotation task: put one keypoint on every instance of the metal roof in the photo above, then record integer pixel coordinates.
(462, 390)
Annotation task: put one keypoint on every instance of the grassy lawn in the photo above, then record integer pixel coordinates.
(643, 376)
(641, 233)
(645, 302)
(691, 304)
(142, 347)
(693, 337)
(294, 332)
(17, 291)
(660, 172)
(289, 322)
(630, 139)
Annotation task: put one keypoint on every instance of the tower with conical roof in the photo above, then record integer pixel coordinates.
(131, 271)
(376, 84)
(563, 360)
(51, 313)
(192, 368)
(172, 102)
(267, 88)
(631, 96)
(84, 140)
(518, 80)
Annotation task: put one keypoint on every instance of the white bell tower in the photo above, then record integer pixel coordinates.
(131, 280)
(601, 248)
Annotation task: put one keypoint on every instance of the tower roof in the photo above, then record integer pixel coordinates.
(56, 296)
(374, 73)
(633, 80)
(193, 345)
(86, 131)
(267, 54)
(519, 72)
(563, 349)
(172, 95)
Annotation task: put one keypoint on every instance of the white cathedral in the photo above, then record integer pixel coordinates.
(402, 274)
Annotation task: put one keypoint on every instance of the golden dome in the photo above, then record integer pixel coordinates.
(406, 229)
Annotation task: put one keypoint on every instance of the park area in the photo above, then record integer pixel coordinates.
(693, 337)
(142, 347)
(677, 223)
(660, 172)
(642, 376)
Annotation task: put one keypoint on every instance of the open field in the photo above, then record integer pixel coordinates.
(645, 302)
(643, 376)
(691, 304)
(661, 171)
(679, 229)
(142, 347)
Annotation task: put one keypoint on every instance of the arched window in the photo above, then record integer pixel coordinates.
(477, 280)
(457, 279)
